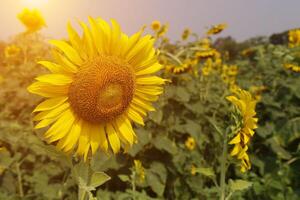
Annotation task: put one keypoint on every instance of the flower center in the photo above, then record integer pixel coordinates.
(102, 89)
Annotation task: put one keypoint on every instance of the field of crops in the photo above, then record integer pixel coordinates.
(103, 115)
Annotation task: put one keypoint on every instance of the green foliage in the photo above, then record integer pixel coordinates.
(190, 106)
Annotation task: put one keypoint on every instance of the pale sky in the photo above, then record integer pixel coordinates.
(245, 18)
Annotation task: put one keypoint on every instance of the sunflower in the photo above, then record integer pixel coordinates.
(179, 69)
(185, 34)
(292, 67)
(294, 38)
(216, 29)
(190, 143)
(12, 51)
(139, 170)
(99, 83)
(246, 106)
(205, 54)
(163, 30)
(155, 25)
(32, 19)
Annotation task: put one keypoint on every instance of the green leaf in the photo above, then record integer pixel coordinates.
(156, 178)
(98, 178)
(182, 94)
(239, 184)
(162, 142)
(206, 171)
(124, 178)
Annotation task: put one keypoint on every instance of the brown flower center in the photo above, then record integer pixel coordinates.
(102, 89)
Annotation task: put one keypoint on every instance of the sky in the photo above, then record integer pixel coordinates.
(245, 18)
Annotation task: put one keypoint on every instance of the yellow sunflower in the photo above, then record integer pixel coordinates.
(11, 51)
(99, 83)
(178, 69)
(216, 29)
(294, 38)
(155, 25)
(186, 33)
(205, 54)
(190, 143)
(292, 67)
(32, 19)
(246, 106)
(140, 171)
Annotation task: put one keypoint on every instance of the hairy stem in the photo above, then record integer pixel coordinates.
(223, 168)
(19, 174)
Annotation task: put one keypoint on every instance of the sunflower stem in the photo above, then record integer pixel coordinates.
(223, 168)
(133, 184)
(83, 194)
(19, 174)
(172, 57)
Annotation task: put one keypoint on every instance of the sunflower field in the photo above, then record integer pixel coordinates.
(105, 115)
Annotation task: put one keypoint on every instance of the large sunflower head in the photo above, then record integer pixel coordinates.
(98, 84)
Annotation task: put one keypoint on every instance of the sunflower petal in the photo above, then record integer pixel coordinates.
(55, 79)
(50, 104)
(68, 50)
(113, 138)
(125, 129)
(136, 117)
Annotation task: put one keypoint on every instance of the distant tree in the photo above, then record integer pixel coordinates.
(227, 44)
(279, 38)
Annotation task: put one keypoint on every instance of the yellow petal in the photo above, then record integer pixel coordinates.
(106, 33)
(236, 149)
(113, 138)
(72, 138)
(55, 68)
(150, 80)
(65, 62)
(83, 141)
(136, 117)
(103, 140)
(48, 90)
(236, 139)
(143, 104)
(115, 37)
(146, 97)
(97, 35)
(150, 90)
(95, 137)
(125, 129)
(55, 79)
(46, 122)
(137, 109)
(73, 37)
(149, 70)
(61, 127)
(131, 43)
(88, 41)
(68, 50)
(51, 113)
(50, 104)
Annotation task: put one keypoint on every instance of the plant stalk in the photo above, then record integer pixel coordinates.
(21, 192)
(223, 168)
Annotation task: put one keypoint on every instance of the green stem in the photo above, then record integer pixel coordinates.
(133, 184)
(172, 57)
(19, 180)
(229, 195)
(223, 168)
(82, 192)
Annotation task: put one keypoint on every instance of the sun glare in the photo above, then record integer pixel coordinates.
(34, 3)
